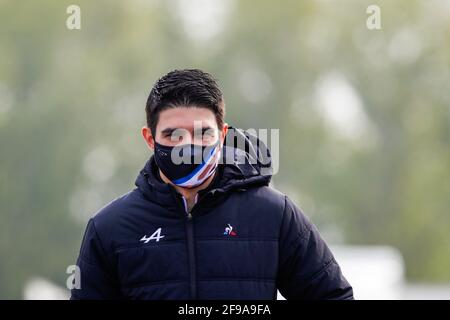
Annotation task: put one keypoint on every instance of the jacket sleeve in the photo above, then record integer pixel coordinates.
(307, 268)
(97, 276)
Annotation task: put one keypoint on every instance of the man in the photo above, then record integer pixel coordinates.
(209, 229)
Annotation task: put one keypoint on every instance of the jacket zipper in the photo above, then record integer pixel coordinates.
(191, 250)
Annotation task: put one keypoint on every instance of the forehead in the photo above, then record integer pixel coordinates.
(186, 118)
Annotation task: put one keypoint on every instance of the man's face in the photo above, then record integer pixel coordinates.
(185, 125)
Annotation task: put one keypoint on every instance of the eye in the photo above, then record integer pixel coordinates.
(172, 136)
(207, 133)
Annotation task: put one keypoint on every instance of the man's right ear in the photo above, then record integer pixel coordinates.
(148, 137)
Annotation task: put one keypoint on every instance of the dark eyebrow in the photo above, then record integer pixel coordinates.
(168, 131)
(206, 128)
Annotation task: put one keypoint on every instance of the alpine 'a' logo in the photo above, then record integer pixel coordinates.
(155, 236)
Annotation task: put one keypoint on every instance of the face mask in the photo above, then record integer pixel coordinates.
(187, 165)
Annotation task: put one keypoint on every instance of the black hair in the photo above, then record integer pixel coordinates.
(185, 88)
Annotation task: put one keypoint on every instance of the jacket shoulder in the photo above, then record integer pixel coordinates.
(110, 216)
(115, 207)
(287, 211)
(271, 200)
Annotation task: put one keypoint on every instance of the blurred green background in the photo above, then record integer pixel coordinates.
(363, 115)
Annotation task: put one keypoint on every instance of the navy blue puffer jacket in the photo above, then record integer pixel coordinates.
(242, 240)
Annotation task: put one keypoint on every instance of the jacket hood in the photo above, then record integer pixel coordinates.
(245, 163)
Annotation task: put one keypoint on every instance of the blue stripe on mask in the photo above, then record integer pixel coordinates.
(199, 167)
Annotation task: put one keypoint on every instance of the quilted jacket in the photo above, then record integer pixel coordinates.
(241, 240)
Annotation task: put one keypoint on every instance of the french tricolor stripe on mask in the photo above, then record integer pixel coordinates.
(202, 172)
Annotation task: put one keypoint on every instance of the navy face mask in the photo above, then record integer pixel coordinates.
(187, 165)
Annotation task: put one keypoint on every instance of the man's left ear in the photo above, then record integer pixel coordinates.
(224, 132)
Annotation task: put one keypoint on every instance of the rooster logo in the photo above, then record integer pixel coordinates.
(229, 231)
